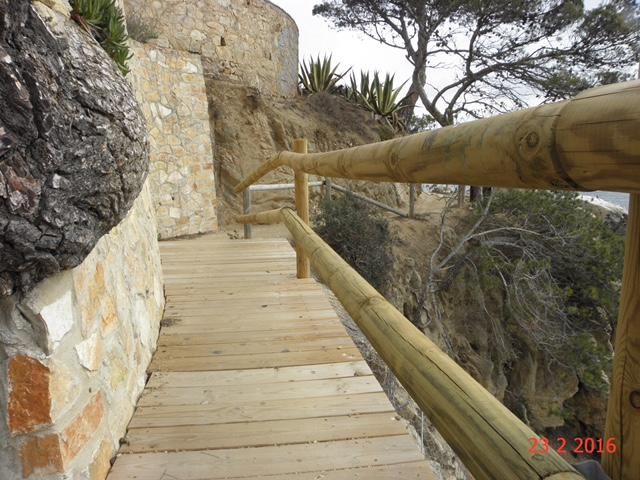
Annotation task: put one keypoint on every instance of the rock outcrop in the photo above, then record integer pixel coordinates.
(73, 148)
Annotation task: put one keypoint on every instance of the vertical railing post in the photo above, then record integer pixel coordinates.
(461, 193)
(327, 188)
(246, 209)
(623, 413)
(412, 200)
(302, 206)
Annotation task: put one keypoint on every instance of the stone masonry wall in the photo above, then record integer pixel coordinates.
(252, 42)
(73, 356)
(170, 88)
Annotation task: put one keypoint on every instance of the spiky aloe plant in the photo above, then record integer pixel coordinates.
(104, 20)
(379, 96)
(320, 75)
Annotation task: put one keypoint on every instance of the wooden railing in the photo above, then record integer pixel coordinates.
(591, 142)
(328, 187)
(267, 187)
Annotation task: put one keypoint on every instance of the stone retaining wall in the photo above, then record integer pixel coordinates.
(252, 42)
(170, 88)
(73, 356)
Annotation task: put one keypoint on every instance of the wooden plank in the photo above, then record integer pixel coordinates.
(256, 308)
(205, 290)
(252, 321)
(198, 325)
(258, 434)
(204, 301)
(252, 336)
(623, 414)
(232, 362)
(269, 312)
(258, 277)
(258, 411)
(271, 291)
(190, 276)
(187, 267)
(214, 350)
(405, 471)
(229, 395)
(273, 460)
(280, 280)
(272, 312)
(256, 318)
(259, 375)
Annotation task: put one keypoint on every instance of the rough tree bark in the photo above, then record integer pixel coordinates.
(73, 145)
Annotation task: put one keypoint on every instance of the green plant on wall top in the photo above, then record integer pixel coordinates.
(104, 21)
(320, 75)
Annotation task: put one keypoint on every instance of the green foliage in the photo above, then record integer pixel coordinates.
(358, 234)
(104, 20)
(320, 75)
(421, 123)
(378, 96)
(141, 29)
(560, 267)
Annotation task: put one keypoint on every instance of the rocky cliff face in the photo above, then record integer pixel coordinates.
(73, 150)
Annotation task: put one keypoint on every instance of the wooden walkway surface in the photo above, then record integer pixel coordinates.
(255, 377)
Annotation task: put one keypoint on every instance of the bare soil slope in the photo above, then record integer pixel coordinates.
(250, 128)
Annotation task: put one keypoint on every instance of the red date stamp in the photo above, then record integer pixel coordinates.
(577, 445)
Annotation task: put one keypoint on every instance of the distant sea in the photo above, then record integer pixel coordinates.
(620, 199)
(616, 198)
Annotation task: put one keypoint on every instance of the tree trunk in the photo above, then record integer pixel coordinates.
(475, 194)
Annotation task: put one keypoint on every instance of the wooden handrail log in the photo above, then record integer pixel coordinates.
(591, 142)
(491, 441)
(269, 187)
(268, 217)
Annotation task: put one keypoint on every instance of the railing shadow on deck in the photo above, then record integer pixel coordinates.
(591, 142)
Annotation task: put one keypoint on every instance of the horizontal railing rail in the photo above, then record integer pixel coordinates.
(266, 187)
(588, 143)
(591, 142)
(370, 201)
(271, 187)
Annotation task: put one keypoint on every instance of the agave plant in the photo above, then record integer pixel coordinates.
(104, 20)
(378, 96)
(357, 92)
(320, 75)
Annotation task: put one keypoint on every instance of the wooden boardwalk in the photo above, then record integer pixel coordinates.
(255, 377)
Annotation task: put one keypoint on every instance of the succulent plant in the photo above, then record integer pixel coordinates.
(320, 75)
(104, 21)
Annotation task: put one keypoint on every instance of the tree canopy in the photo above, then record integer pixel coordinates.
(499, 53)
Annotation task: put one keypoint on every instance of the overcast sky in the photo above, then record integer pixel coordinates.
(349, 48)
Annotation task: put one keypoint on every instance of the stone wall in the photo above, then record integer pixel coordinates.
(73, 356)
(252, 42)
(170, 88)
